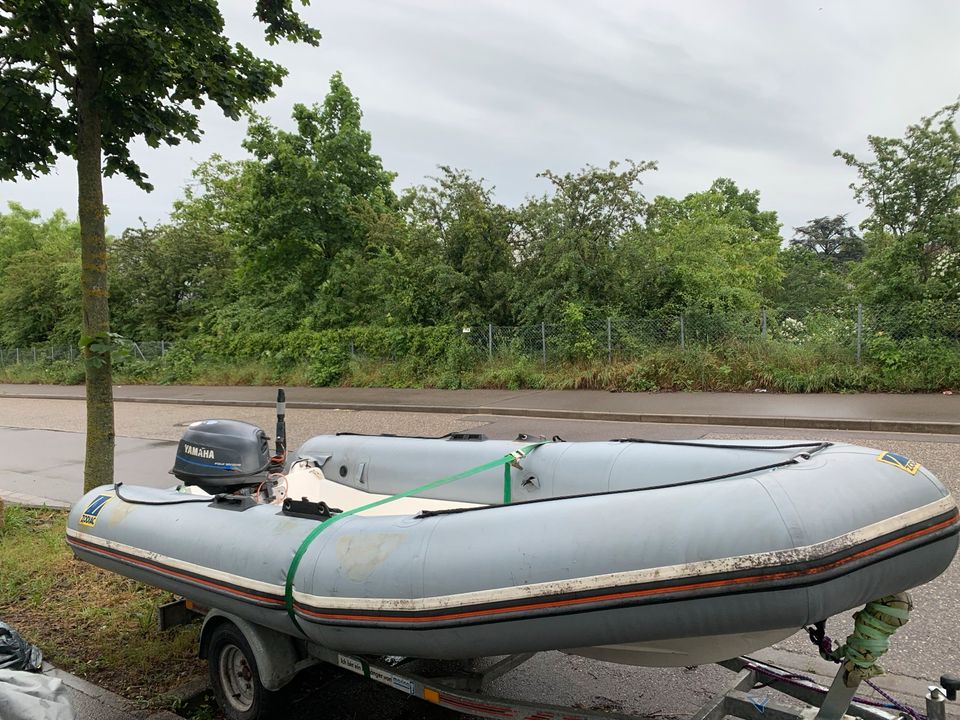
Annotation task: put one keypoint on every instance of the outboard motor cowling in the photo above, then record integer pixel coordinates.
(222, 455)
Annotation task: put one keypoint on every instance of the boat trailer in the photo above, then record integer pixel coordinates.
(249, 663)
(464, 693)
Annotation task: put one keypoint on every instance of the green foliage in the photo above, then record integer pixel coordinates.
(301, 264)
(39, 278)
(167, 278)
(178, 365)
(715, 249)
(810, 282)
(154, 63)
(47, 372)
(576, 342)
(830, 238)
(456, 224)
(308, 194)
(100, 348)
(912, 187)
(819, 357)
(328, 365)
(570, 243)
(87, 78)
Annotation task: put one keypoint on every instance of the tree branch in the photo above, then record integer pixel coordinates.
(59, 68)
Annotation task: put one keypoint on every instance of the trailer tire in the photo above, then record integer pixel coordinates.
(235, 677)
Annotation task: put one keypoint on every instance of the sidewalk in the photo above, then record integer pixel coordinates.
(878, 412)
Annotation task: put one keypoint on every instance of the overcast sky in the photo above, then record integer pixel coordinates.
(759, 91)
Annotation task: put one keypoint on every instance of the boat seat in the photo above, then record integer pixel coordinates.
(311, 483)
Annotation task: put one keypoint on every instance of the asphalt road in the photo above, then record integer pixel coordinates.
(41, 450)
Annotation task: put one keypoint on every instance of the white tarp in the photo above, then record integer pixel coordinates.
(31, 696)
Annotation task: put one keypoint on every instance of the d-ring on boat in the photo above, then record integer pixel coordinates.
(632, 551)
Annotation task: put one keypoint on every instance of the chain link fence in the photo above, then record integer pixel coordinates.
(857, 330)
(140, 350)
(851, 332)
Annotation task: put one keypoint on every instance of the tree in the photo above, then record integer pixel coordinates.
(714, 248)
(85, 78)
(912, 187)
(39, 277)
(307, 195)
(166, 278)
(569, 242)
(831, 238)
(457, 214)
(810, 282)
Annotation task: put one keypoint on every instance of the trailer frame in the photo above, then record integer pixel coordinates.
(276, 658)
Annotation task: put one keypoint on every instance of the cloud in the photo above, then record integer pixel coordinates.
(761, 92)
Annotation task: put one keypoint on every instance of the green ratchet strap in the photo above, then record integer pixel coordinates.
(873, 626)
(506, 461)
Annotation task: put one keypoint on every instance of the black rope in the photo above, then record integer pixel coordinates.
(735, 473)
(116, 490)
(818, 445)
(345, 433)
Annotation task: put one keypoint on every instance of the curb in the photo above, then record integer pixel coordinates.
(900, 426)
(16, 498)
(103, 696)
(185, 694)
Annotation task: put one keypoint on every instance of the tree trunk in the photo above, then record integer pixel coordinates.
(98, 466)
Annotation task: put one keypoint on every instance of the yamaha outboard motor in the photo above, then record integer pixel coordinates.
(226, 456)
(222, 455)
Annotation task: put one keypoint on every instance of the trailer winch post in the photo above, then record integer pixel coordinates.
(838, 698)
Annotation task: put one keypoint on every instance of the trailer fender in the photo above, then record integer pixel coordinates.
(275, 653)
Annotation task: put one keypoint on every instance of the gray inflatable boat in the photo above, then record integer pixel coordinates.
(649, 553)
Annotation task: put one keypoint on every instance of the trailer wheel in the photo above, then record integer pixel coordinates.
(235, 677)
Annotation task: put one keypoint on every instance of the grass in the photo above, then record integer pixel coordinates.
(87, 621)
(733, 366)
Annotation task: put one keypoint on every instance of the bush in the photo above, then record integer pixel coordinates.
(575, 341)
(328, 365)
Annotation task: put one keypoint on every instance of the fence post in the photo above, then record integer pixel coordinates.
(490, 341)
(18, 356)
(859, 331)
(34, 354)
(543, 341)
(1, 357)
(763, 323)
(683, 338)
(609, 343)
(163, 349)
